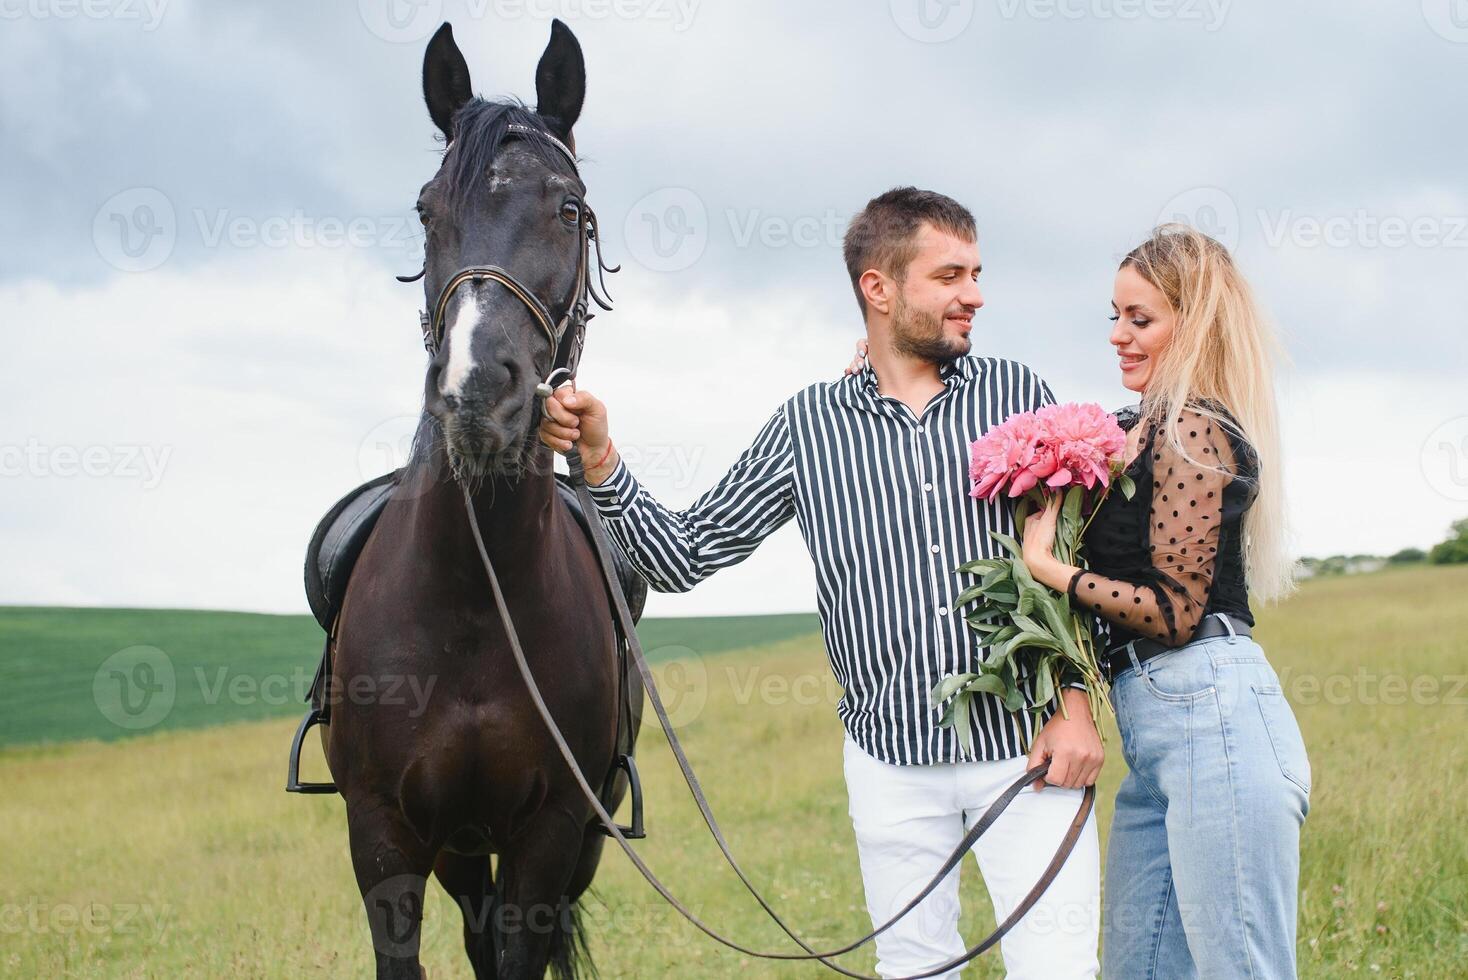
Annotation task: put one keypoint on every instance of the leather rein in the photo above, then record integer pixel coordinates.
(565, 335)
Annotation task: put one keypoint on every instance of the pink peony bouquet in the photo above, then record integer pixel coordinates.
(1058, 445)
(1036, 643)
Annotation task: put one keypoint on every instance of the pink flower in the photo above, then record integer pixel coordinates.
(1001, 453)
(1058, 445)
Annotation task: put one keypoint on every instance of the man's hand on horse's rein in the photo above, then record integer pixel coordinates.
(1072, 745)
(860, 358)
(579, 417)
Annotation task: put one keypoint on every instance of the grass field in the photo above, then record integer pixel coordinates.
(67, 674)
(175, 853)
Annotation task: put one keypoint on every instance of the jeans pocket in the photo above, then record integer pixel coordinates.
(1284, 735)
(1182, 675)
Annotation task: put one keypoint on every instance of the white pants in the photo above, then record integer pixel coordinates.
(908, 819)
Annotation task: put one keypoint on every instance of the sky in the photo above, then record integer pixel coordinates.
(206, 203)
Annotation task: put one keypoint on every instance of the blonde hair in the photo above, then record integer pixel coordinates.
(1222, 349)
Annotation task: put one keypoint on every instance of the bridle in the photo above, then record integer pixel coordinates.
(565, 335)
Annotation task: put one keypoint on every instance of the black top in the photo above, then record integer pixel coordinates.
(1172, 554)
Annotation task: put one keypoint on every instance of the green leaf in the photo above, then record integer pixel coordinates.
(1042, 640)
(1127, 485)
(961, 726)
(1006, 596)
(1058, 616)
(1071, 509)
(980, 566)
(1013, 699)
(988, 683)
(1029, 625)
(985, 620)
(1005, 633)
(1022, 576)
(969, 595)
(1001, 574)
(1011, 545)
(1045, 686)
(947, 686)
(1022, 510)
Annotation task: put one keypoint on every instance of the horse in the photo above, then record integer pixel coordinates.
(468, 785)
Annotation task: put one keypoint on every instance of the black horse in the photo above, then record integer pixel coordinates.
(468, 786)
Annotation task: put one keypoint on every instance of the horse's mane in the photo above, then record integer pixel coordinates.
(480, 127)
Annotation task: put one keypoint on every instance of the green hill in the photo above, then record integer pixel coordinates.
(70, 673)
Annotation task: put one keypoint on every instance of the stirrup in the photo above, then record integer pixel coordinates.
(634, 788)
(293, 782)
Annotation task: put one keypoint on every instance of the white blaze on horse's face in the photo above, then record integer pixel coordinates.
(460, 342)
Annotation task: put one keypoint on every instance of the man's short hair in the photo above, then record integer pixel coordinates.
(882, 236)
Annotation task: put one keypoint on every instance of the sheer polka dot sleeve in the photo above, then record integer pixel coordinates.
(1167, 599)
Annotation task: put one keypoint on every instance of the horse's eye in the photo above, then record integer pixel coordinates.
(571, 212)
(423, 217)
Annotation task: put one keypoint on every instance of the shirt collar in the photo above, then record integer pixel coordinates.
(950, 372)
(861, 387)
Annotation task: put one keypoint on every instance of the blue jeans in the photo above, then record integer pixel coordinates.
(1203, 865)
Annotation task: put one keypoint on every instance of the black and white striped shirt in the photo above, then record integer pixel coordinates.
(882, 498)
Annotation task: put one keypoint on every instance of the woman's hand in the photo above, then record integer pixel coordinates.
(1038, 546)
(860, 358)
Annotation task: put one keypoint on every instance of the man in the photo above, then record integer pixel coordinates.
(875, 469)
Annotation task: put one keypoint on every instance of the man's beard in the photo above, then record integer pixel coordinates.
(920, 334)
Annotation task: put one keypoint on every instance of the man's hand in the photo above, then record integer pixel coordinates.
(859, 359)
(1072, 745)
(580, 417)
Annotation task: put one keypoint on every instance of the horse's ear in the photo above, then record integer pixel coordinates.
(445, 79)
(560, 80)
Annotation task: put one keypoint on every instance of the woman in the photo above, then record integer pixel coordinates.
(1203, 858)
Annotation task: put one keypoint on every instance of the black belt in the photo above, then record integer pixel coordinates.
(1116, 659)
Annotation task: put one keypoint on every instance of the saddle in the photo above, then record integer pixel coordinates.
(340, 536)
(335, 546)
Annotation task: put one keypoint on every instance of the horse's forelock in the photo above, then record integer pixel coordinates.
(480, 127)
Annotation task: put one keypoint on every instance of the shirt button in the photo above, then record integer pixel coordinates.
(934, 549)
(927, 486)
(921, 429)
(942, 610)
